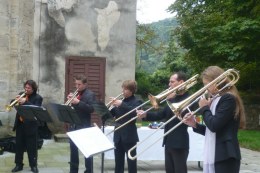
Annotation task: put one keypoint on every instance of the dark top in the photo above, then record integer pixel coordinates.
(225, 127)
(84, 108)
(33, 99)
(128, 133)
(178, 138)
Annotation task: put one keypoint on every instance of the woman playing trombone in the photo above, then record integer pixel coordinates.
(125, 137)
(223, 115)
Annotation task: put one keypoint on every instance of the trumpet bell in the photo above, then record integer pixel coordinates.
(8, 108)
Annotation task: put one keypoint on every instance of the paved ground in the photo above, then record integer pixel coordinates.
(54, 157)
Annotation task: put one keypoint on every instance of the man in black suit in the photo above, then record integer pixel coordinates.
(83, 107)
(125, 137)
(27, 130)
(176, 143)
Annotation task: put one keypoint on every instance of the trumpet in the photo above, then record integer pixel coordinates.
(9, 107)
(178, 108)
(109, 104)
(162, 97)
(74, 95)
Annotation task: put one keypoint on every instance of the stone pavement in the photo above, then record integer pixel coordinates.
(54, 158)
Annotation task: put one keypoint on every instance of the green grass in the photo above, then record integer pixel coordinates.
(249, 139)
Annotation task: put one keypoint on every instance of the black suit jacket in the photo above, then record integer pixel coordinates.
(84, 108)
(178, 138)
(128, 133)
(33, 99)
(225, 127)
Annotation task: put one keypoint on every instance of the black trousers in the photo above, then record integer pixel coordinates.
(227, 166)
(120, 152)
(74, 160)
(176, 160)
(26, 140)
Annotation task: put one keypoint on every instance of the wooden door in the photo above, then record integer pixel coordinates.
(94, 69)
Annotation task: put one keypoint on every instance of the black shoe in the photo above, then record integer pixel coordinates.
(34, 169)
(17, 168)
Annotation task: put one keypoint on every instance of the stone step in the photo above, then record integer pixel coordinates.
(61, 137)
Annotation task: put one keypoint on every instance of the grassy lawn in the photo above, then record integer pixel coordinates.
(249, 139)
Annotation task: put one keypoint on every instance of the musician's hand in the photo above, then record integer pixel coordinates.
(69, 96)
(75, 101)
(21, 101)
(190, 120)
(141, 114)
(117, 103)
(204, 102)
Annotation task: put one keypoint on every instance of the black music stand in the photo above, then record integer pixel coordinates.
(65, 113)
(32, 112)
(101, 109)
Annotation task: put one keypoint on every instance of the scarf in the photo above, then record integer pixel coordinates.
(210, 144)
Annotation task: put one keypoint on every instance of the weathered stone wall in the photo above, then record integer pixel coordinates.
(16, 50)
(37, 36)
(252, 116)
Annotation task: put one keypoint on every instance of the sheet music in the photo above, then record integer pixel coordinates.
(90, 141)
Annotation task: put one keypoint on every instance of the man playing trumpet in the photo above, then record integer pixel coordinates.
(126, 137)
(82, 103)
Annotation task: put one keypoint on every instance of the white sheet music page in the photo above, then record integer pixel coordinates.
(90, 141)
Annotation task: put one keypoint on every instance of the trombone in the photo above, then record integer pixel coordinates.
(9, 107)
(178, 108)
(74, 95)
(158, 99)
(231, 74)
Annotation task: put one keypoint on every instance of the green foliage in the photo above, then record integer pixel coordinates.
(224, 33)
(152, 43)
(249, 139)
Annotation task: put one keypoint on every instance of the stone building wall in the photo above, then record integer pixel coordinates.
(16, 50)
(36, 36)
(252, 116)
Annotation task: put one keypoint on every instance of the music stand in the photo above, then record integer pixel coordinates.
(32, 112)
(65, 113)
(102, 110)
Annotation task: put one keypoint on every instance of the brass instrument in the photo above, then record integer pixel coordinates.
(10, 106)
(231, 74)
(109, 104)
(74, 95)
(178, 108)
(159, 98)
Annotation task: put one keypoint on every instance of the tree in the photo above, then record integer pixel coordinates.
(224, 33)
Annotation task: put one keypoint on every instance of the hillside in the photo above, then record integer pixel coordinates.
(151, 58)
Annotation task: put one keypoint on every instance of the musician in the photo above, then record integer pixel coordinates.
(83, 106)
(126, 137)
(176, 143)
(27, 130)
(223, 115)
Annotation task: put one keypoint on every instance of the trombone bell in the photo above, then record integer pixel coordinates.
(154, 101)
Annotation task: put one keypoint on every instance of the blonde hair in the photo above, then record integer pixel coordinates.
(211, 73)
